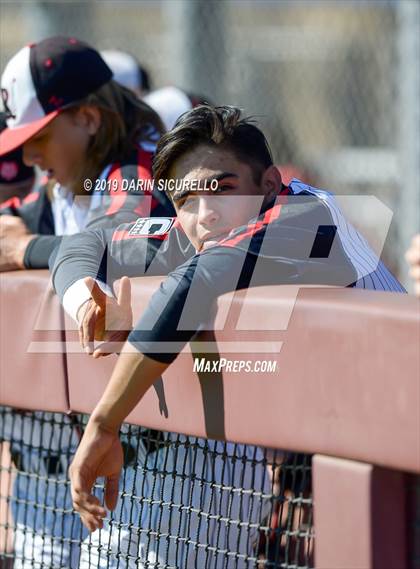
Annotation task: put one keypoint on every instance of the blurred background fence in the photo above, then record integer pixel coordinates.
(335, 84)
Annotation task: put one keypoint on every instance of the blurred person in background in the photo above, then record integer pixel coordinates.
(127, 71)
(171, 102)
(16, 179)
(88, 134)
(16, 182)
(74, 123)
(168, 102)
(413, 259)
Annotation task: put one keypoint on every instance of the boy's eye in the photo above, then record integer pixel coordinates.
(184, 201)
(224, 187)
(188, 203)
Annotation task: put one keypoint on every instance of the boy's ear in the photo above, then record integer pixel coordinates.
(89, 117)
(271, 181)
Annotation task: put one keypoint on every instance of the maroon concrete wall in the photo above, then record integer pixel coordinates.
(31, 319)
(346, 385)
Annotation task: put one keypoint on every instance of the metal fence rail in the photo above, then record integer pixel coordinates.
(184, 501)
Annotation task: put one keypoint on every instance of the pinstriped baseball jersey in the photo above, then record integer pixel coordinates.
(372, 273)
(301, 238)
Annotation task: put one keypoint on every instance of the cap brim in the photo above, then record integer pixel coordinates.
(12, 138)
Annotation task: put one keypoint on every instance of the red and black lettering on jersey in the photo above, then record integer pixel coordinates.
(146, 227)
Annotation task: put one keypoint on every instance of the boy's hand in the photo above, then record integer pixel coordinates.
(14, 238)
(105, 319)
(99, 454)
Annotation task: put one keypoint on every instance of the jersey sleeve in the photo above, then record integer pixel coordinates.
(109, 254)
(39, 250)
(300, 248)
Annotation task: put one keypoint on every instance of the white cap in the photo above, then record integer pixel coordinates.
(125, 67)
(169, 103)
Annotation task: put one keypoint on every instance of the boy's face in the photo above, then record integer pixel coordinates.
(60, 148)
(209, 216)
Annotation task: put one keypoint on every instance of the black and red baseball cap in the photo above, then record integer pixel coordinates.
(44, 78)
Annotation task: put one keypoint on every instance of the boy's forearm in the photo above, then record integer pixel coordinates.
(38, 251)
(133, 374)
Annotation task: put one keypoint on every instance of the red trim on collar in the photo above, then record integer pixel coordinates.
(269, 216)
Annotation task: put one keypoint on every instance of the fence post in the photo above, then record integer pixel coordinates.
(359, 515)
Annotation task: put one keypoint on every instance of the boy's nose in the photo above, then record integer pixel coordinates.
(31, 156)
(207, 212)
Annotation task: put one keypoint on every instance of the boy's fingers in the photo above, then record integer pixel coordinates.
(100, 353)
(88, 504)
(124, 293)
(92, 523)
(111, 492)
(97, 294)
(88, 330)
(83, 313)
(113, 346)
(84, 324)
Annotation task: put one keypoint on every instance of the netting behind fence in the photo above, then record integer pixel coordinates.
(184, 501)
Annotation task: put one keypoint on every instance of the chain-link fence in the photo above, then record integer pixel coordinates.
(183, 501)
(334, 83)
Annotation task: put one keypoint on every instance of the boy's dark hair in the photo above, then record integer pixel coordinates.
(125, 121)
(214, 126)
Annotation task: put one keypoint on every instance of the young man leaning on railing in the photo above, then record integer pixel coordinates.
(237, 226)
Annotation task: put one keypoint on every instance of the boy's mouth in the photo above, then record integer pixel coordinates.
(212, 239)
